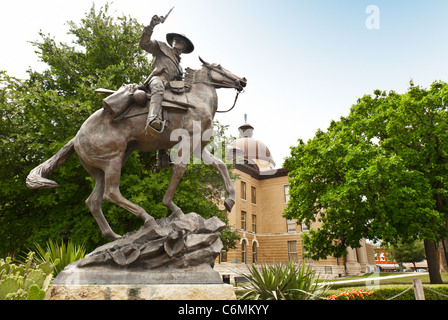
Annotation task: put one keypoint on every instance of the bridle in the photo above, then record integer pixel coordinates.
(217, 69)
(210, 82)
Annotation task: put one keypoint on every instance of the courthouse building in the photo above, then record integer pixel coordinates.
(262, 194)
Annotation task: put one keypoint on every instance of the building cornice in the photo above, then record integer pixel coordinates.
(255, 173)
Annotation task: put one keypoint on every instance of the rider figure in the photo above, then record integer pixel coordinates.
(166, 68)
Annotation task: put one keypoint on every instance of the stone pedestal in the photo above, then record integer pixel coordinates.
(105, 283)
(142, 292)
(72, 275)
(172, 260)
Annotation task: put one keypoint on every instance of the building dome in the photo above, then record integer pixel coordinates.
(247, 150)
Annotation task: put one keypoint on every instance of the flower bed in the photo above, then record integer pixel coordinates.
(385, 292)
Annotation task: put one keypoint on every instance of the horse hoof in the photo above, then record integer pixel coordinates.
(111, 235)
(149, 222)
(229, 203)
(177, 213)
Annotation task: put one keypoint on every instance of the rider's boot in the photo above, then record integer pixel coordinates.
(154, 121)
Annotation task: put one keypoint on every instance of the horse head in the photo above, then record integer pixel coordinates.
(220, 77)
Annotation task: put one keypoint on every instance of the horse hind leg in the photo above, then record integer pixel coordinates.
(178, 172)
(95, 200)
(112, 194)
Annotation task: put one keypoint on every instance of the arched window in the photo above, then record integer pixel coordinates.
(243, 251)
(254, 252)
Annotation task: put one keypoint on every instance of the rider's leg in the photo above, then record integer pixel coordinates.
(154, 121)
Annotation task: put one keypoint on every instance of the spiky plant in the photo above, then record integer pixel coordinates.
(66, 253)
(283, 282)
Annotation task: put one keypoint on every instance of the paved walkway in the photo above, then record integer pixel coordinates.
(237, 269)
(373, 278)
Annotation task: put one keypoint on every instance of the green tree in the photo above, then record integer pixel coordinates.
(411, 252)
(42, 113)
(379, 173)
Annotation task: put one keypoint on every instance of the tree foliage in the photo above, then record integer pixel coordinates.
(411, 252)
(42, 113)
(379, 173)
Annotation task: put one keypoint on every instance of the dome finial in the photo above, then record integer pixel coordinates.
(246, 130)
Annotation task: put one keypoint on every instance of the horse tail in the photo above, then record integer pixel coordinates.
(36, 177)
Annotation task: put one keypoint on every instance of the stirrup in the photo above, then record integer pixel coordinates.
(148, 125)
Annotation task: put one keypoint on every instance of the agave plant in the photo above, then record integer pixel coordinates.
(65, 253)
(283, 282)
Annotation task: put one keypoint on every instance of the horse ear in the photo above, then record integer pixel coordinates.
(203, 62)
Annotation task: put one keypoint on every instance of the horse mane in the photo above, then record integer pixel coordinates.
(189, 78)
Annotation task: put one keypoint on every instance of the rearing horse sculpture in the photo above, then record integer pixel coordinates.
(104, 144)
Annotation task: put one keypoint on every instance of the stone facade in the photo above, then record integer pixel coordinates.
(262, 194)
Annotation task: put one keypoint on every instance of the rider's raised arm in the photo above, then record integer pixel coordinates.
(146, 43)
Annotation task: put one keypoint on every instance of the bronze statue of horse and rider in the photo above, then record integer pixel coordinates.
(143, 118)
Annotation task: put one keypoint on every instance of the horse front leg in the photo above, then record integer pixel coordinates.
(217, 163)
(178, 173)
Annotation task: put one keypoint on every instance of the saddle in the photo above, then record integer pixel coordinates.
(133, 100)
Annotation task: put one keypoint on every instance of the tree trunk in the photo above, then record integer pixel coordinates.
(433, 262)
(443, 251)
(442, 255)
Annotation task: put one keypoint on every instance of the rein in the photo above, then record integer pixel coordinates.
(220, 85)
(234, 104)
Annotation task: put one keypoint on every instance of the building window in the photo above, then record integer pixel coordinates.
(291, 226)
(253, 192)
(254, 223)
(254, 252)
(304, 227)
(243, 190)
(243, 220)
(377, 256)
(243, 251)
(223, 256)
(286, 192)
(292, 250)
(304, 253)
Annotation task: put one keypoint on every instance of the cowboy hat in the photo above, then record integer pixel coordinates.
(189, 45)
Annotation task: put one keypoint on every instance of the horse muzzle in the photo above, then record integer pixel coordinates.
(242, 83)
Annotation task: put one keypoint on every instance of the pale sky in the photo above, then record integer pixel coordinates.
(306, 61)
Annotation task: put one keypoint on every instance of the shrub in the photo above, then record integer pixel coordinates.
(283, 282)
(25, 281)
